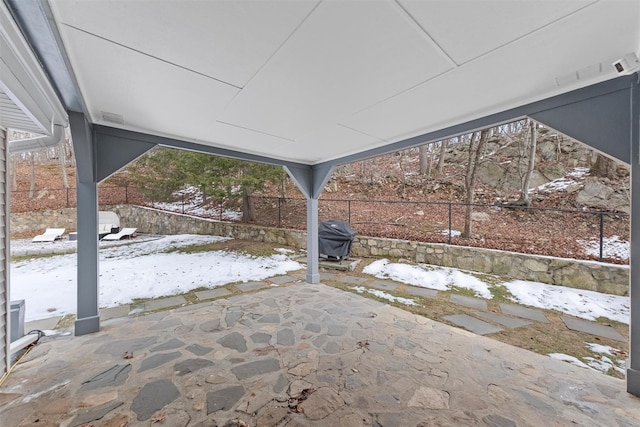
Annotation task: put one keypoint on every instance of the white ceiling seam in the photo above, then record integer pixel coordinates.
(339, 62)
(426, 32)
(230, 40)
(150, 56)
(509, 81)
(284, 41)
(498, 24)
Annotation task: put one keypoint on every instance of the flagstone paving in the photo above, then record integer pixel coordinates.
(524, 312)
(472, 324)
(306, 355)
(467, 301)
(592, 328)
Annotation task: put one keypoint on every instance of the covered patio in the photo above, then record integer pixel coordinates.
(299, 355)
(311, 85)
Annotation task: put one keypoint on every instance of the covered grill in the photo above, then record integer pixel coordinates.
(335, 239)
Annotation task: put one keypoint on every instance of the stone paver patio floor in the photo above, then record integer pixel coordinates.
(300, 355)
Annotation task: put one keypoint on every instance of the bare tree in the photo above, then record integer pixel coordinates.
(32, 183)
(423, 156)
(443, 149)
(525, 200)
(63, 165)
(248, 206)
(475, 154)
(401, 156)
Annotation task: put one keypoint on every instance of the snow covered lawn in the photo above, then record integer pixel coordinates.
(140, 270)
(576, 302)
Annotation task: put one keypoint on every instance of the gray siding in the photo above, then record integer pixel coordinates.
(4, 258)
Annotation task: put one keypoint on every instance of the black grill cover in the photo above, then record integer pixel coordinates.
(335, 238)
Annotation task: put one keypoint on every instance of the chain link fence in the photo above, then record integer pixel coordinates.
(563, 233)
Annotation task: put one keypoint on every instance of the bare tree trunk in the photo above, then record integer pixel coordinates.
(32, 184)
(443, 150)
(403, 173)
(63, 165)
(363, 171)
(423, 153)
(248, 206)
(283, 187)
(470, 178)
(525, 200)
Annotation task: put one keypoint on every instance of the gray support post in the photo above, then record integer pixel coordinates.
(633, 372)
(88, 320)
(311, 180)
(313, 256)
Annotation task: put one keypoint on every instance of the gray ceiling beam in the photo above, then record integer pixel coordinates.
(621, 85)
(113, 153)
(602, 122)
(35, 19)
(311, 180)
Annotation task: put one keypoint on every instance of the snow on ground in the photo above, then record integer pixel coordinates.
(607, 358)
(612, 247)
(427, 276)
(454, 233)
(139, 270)
(575, 302)
(194, 208)
(571, 359)
(572, 177)
(191, 201)
(147, 270)
(384, 295)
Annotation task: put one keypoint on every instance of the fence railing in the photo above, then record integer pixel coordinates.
(545, 231)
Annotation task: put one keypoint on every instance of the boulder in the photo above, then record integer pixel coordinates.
(595, 194)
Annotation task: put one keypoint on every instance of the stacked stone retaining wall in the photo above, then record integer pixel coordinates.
(589, 275)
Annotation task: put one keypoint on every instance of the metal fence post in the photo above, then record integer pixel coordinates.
(279, 211)
(601, 235)
(126, 194)
(220, 208)
(67, 196)
(182, 197)
(349, 210)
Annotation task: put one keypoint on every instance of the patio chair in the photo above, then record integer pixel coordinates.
(124, 233)
(105, 229)
(49, 235)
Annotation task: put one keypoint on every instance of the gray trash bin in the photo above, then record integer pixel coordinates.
(17, 319)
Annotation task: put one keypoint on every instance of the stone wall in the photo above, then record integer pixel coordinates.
(589, 275)
(154, 221)
(33, 223)
(607, 278)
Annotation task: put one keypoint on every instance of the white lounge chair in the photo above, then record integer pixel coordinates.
(104, 229)
(49, 235)
(125, 232)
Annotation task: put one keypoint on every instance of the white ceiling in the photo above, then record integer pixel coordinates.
(311, 81)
